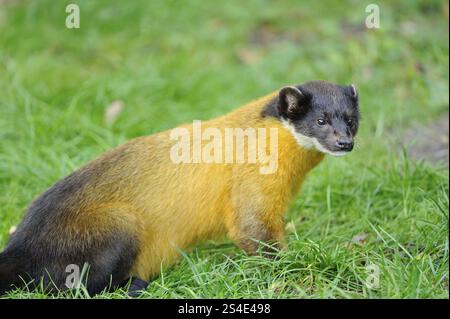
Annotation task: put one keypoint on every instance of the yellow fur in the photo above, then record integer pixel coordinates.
(174, 206)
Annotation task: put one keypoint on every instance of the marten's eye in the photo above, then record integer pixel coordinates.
(321, 122)
(349, 122)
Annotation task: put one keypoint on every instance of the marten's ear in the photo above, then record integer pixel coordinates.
(292, 101)
(351, 89)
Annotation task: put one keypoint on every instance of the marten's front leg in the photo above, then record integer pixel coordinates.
(253, 234)
(262, 241)
(254, 218)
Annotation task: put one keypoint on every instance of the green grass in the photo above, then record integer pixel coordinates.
(175, 61)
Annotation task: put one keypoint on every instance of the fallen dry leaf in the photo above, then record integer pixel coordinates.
(290, 227)
(277, 286)
(113, 111)
(360, 239)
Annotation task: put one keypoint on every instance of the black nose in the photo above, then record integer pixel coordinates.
(344, 144)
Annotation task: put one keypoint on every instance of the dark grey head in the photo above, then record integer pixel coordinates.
(321, 115)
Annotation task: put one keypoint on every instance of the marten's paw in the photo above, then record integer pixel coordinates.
(137, 287)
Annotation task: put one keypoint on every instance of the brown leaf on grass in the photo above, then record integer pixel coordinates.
(290, 227)
(359, 239)
(277, 286)
(113, 111)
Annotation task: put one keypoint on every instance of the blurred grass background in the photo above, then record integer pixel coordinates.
(171, 61)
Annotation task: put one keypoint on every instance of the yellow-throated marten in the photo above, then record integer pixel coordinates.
(131, 210)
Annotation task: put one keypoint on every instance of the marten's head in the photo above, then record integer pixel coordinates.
(321, 115)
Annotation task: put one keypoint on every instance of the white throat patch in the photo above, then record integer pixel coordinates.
(309, 143)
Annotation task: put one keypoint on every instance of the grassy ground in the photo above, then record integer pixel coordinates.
(175, 61)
